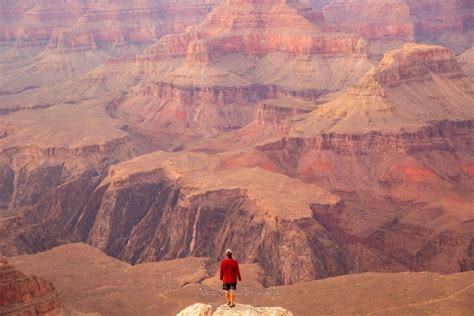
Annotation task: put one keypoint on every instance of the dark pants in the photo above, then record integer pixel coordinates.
(229, 286)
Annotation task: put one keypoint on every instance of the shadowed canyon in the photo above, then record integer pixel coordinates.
(328, 143)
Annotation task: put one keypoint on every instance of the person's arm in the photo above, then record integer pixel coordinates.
(222, 270)
(238, 271)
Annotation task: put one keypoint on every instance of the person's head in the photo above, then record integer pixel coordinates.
(228, 253)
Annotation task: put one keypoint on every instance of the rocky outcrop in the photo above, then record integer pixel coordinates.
(26, 295)
(31, 169)
(274, 111)
(416, 61)
(199, 309)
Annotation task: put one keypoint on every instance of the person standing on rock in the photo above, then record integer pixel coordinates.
(229, 273)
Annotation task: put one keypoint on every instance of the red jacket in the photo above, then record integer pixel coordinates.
(230, 271)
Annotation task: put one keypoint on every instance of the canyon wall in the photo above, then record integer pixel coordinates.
(215, 108)
(148, 215)
(26, 295)
(374, 20)
(389, 23)
(37, 22)
(375, 174)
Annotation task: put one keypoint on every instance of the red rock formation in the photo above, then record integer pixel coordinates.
(113, 22)
(415, 61)
(174, 105)
(381, 151)
(26, 295)
(203, 76)
(257, 28)
(383, 22)
(170, 213)
(274, 112)
(372, 19)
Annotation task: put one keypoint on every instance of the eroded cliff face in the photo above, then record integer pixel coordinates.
(389, 24)
(374, 20)
(416, 61)
(37, 22)
(43, 43)
(395, 148)
(210, 77)
(257, 28)
(28, 173)
(425, 172)
(152, 209)
(26, 295)
(399, 171)
(213, 109)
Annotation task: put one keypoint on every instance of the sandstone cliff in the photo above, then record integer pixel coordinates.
(212, 109)
(256, 28)
(163, 206)
(275, 111)
(382, 100)
(44, 43)
(210, 77)
(26, 295)
(378, 144)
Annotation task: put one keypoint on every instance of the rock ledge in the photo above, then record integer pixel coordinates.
(200, 309)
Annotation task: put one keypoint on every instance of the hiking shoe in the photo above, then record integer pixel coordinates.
(232, 305)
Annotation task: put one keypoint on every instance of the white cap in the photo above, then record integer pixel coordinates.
(228, 251)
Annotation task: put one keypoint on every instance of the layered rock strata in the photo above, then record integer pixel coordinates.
(26, 295)
(389, 24)
(164, 206)
(405, 151)
(38, 22)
